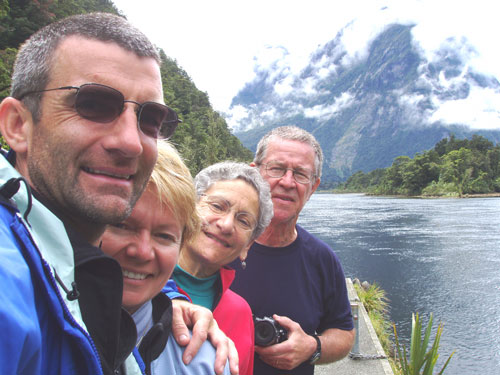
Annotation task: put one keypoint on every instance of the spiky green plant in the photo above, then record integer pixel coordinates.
(374, 298)
(421, 361)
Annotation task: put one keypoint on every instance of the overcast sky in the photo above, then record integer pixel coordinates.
(219, 42)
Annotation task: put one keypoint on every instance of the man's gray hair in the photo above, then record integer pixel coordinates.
(227, 171)
(32, 68)
(290, 133)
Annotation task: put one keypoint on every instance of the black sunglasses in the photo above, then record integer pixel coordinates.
(103, 104)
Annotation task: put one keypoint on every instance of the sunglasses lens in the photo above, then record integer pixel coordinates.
(104, 104)
(170, 124)
(99, 103)
(157, 120)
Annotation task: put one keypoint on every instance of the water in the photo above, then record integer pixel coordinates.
(429, 255)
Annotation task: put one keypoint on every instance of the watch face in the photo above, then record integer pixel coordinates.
(315, 358)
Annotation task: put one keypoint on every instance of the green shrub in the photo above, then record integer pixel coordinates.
(440, 189)
(376, 303)
(421, 360)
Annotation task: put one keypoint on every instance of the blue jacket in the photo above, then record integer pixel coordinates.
(42, 331)
(39, 334)
(158, 350)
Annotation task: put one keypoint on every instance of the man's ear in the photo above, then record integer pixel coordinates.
(316, 184)
(314, 187)
(15, 124)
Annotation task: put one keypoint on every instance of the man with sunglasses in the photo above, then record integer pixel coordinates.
(290, 275)
(84, 115)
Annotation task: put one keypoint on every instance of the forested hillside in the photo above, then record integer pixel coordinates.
(203, 138)
(454, 167)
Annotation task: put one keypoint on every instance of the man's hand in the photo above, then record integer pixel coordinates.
(200, 319)
(287, 355)
(335, 345)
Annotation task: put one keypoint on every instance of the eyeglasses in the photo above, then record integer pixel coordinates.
(221, 207)
(277, 170)
(103, 104)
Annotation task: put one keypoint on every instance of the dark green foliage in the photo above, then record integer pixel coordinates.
(361, 182)
(4, 7)
(203, 137)
(21, 18)
(7, 57)
(454, 167)
(24, 17)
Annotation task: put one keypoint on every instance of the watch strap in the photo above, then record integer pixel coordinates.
(317, 353)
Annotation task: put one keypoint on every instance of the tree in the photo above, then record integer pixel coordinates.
(493, 157)
(453, 166)
(458, 169)
(420, 172)
(7, 58)
(23, 18)
(393, 179)
(480, 144)
(4, 8)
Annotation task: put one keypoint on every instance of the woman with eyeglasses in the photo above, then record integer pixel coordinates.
(235, 206)
(147, 247)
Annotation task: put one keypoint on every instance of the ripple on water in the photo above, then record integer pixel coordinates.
(439, 256)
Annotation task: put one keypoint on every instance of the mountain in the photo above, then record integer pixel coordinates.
(368, 110)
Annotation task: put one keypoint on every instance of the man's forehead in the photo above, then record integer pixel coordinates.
(290, 149)
(73, 46)
(281, 142)
(78, 60)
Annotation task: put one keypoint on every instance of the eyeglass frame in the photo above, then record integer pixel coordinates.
(227, 211)
(138, 112)
(285, 170)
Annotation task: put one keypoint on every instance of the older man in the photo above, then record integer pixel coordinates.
(85, 111)
(288, 271)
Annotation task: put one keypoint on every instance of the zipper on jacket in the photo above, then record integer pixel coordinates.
(66, 312)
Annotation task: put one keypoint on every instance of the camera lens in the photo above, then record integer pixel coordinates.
(265, 333)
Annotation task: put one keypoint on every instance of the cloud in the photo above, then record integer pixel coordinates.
(480, 110)
(236, 115)
(325, 112)
(223, 44)
(272, 59)
(284, 86)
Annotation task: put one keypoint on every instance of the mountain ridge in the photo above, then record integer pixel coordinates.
(368, 111)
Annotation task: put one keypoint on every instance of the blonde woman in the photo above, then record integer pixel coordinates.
(147, 247)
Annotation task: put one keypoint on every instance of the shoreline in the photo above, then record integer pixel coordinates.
(485, 195)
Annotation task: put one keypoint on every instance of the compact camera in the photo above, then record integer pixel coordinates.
(268, 331)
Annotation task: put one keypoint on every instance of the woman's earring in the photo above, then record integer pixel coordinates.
(243, 264)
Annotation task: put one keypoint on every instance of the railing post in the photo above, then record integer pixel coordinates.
(355, 316)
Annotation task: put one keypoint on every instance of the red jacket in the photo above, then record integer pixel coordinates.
(234, 317)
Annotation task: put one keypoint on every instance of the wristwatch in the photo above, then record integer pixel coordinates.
(317, 353)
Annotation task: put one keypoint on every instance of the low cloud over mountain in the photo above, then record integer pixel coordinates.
(370, 95)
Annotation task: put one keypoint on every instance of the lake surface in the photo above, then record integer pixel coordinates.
(429, 255)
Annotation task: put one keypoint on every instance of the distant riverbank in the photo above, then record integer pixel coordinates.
(486, 195)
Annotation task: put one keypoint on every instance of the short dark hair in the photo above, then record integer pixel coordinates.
(33, 64)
